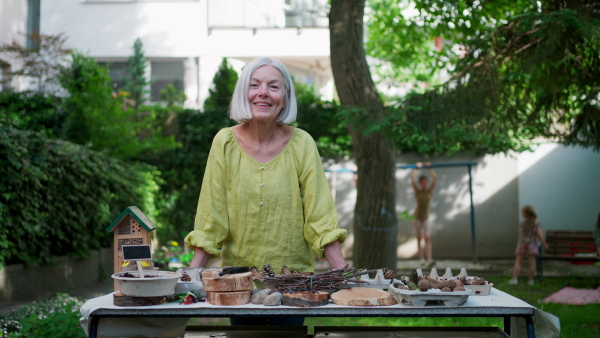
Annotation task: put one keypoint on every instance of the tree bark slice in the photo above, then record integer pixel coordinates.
(228, 298)
(303, 299)
(237, 282)
(120, 299)
(363, 297)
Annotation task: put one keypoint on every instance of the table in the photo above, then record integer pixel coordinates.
(497, 304)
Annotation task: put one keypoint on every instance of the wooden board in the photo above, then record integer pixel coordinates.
(236, 282)
(228, 298)
(305, 299)
(363, 297)
(120, 299)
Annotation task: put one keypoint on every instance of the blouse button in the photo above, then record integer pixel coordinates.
(261, 203)
(262, 168)
(262, 184)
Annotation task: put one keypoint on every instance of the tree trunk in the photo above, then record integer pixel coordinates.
(375, 226)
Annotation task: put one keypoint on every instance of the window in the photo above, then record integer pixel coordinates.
(116, 73)
(163, 73)
(33, 24)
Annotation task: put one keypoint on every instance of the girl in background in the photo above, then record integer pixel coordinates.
(530, 231)
(423, 194)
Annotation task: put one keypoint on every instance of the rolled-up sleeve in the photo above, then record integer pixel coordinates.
(211, 226)
(320, 214)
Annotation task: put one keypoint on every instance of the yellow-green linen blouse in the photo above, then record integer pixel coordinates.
(279, 213)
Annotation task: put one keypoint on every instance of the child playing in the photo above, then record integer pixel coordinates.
(530, 231)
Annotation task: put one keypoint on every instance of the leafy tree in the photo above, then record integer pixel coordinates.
(525, 69)
(172, 96)
(40, 66)
(136, 83)
(96, 116)
(319, 118)
(224, 83)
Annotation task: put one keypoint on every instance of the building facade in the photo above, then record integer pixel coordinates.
(185, 40)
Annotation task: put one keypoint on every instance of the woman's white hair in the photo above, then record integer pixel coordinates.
(239, 110)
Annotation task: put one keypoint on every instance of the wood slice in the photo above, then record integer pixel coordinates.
(363, 297)
(236, 282)
(228, 298)
(120, 299)
(305, 299)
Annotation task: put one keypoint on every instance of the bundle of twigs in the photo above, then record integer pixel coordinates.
(322, 282)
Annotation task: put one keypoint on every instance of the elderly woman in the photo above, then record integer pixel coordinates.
(265, 198)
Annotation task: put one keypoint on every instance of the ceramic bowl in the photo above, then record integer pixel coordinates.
(155, 283)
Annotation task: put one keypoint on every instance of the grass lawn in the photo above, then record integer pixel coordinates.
(576, 321)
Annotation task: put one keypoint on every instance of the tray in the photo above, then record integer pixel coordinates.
(429, 298)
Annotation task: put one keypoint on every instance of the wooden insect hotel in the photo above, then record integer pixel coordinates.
(132, 227)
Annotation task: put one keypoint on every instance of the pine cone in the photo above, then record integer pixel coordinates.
(285, 271)
(478, 281)
(424, 284)
(267, 270)
(388, 274)
(255, 273)
(450, 284)
(185, 277)
(446, 289)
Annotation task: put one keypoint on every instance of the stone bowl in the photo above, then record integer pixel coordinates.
(155, 283)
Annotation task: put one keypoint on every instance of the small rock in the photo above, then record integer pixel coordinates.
(259, 296)
(273, 299)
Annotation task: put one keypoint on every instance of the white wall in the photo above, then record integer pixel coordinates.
(13, 27)
(563, 184)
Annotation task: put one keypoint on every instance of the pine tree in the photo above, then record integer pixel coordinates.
(224, 83)
(135, 80)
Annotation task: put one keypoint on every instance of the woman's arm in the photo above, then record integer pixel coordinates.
(200, 259)
(433, 175)
(413, 175)
(540, 235)
(334, 256)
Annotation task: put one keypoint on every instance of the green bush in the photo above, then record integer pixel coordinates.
(57, 198)
(182, 171)
(32, 111)
(57, 317)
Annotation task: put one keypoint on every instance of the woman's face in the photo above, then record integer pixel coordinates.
(266, 93)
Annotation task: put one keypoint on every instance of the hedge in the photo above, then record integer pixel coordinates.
(57, 198)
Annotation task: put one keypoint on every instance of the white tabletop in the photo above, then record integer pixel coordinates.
(497, 303)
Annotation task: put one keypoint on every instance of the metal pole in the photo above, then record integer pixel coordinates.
(473, 235)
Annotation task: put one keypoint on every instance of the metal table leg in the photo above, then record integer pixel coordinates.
(530, 328)
(94, 326)
(507, 325)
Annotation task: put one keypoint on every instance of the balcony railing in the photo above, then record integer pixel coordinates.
(267, 13)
